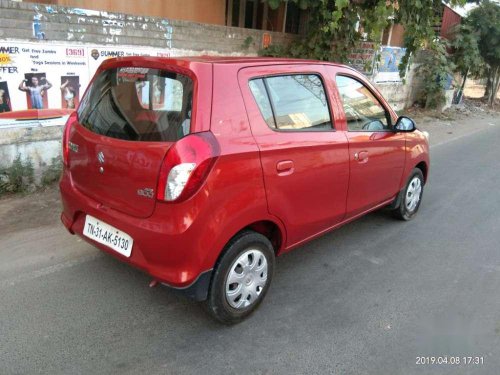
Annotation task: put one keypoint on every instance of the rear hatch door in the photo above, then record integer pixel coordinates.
(127, 121)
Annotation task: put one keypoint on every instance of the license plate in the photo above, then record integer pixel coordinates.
(108, 235)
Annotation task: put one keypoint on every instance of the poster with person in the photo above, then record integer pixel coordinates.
(4, 98)
(388, 64)
(70, 92)
(35, 85)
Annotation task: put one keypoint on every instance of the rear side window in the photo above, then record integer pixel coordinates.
(293, 102)
(260, 94)
(138, 104)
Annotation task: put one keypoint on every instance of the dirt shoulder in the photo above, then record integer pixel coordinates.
(26, 211)
(456, 122)
(446, 130)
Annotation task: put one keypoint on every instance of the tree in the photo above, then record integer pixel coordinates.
(335, 26)
(435, 70)
(485, 20)
(466, 55)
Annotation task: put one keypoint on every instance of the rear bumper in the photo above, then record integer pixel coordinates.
(168, 251)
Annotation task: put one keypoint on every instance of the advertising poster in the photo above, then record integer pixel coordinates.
(70, 92)
(362, 57)
(35, 85)
(388, 66)
(42, 83)
(4, 98)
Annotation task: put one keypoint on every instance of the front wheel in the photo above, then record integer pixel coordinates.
(411, 196)
(241, 277)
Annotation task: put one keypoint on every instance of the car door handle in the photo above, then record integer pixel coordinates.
(284, 167)
(361, 156)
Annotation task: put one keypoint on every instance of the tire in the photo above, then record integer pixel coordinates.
(410, 197)
(248, 259)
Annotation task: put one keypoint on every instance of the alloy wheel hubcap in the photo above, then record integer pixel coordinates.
(246, 279)
(413, 194)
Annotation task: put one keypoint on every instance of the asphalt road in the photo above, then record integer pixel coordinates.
(368, 298)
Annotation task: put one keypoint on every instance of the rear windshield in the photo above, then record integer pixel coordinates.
(138, 104)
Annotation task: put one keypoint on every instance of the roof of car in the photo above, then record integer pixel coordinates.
(245, 60)
(240, 60)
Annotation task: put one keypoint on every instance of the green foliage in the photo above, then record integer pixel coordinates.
(466, 55)
(53, 172)
(419, 18)
(276, 50)
(435, 69)
(334, 26)
(485, 21)
(247, 43)
(18, 177)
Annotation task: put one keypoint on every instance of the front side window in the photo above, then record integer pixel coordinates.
(293, 102)
(138, 104)
(362, 109)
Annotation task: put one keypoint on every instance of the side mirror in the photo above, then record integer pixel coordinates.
(405, 124)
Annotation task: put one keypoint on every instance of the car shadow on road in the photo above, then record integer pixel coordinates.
(299, 280)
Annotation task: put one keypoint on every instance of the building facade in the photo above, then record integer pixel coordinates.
(250, 14)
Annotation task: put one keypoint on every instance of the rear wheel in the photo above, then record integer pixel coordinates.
(411, 196)
(241, 278)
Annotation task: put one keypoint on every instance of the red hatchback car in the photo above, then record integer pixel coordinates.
(200, 171)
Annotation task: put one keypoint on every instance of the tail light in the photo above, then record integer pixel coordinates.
(186, 166)
(65, 142)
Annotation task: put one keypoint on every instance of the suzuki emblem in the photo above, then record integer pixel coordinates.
(100, 157)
